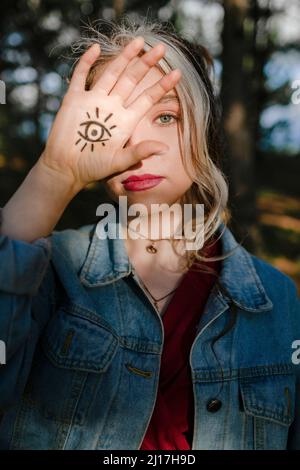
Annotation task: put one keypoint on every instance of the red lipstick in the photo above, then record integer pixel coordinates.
(141, 182)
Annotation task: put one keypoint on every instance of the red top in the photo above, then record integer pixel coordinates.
(171, 425)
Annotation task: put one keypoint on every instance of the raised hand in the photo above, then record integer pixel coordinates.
(90, 130)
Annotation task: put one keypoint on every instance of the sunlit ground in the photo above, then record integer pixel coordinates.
(279, 230)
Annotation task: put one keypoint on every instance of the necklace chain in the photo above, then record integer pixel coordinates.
(149, 248)
(146, 238)
(152, 249)
(157, 300)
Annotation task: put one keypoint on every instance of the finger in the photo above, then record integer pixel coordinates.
(129, 156)
(112, 72)
(153, 94)
(81, 70)
(136, 71)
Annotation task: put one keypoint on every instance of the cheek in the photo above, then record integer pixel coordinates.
(111, 188)
(175, 162)
(181, 182)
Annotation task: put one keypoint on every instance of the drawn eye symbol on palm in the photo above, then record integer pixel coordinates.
(94, 131)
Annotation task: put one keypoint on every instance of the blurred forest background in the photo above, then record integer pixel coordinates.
(256, 49)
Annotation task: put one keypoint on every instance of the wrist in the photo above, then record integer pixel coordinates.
(49, 178)
(37, 205)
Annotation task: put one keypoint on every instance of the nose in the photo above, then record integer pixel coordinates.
(139, 134)
(133, 140)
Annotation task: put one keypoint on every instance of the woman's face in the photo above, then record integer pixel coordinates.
(161, 124)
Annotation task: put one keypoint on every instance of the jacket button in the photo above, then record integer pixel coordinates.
(213, 405)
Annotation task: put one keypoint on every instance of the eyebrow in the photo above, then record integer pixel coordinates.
(166, 98)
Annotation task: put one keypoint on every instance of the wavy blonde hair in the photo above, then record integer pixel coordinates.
(199, 126)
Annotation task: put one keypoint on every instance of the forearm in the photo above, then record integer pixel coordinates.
(37, 205)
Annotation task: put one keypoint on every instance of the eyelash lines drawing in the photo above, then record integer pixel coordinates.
(94, 131)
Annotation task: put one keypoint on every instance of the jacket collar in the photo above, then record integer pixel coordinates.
(107, 261)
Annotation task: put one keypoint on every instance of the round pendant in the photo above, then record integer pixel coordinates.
(151, 249)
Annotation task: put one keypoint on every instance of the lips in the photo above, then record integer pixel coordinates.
(141, 182)
(146, 176)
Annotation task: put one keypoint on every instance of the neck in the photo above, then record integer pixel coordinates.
(164, 258)
(158, 226)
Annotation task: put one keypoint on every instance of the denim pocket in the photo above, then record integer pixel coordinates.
(269, 405)
(77, 339)
(74, 352)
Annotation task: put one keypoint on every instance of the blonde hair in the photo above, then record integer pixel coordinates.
(199, 131)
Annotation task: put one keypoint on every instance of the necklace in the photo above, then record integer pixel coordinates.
(155, 301)
(152, 249)
(149, 248)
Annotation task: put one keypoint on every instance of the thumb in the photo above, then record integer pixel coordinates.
(129, 156)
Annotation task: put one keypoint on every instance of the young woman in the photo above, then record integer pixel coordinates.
(137, 342)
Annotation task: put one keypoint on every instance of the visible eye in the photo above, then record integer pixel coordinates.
(165, 118)
(94, 131)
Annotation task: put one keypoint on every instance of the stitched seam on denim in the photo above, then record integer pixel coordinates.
(259, 434)
(225, 423)
(244, 430)
(67, 363)
(91, 255)
(140, 346)
(135, 345)
(104, 281)
(99, 380)
(118, 293)
(114, 398)
(266, 413)
(79, 394)
(254, 273)
(86, 314)
(229, 392)
(243, 373)
(19, 426)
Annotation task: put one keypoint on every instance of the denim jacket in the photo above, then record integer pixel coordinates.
(84, 343)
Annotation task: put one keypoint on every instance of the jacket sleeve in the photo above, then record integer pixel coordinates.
(24, 274)
(294, 431)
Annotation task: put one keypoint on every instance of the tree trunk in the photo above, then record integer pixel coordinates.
(240, 113)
